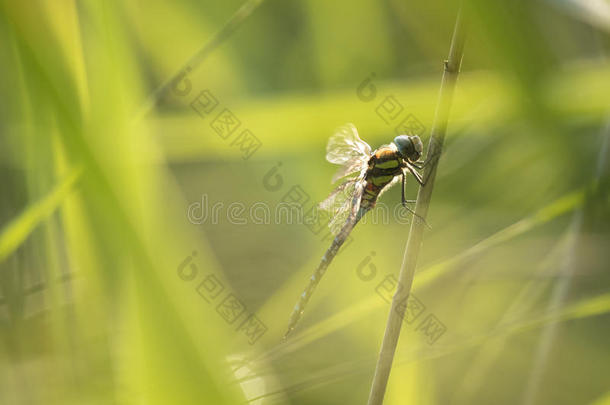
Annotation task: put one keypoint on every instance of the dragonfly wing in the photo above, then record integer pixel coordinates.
(344, 202)
(338, 204)
(351, 167)
(347, 149)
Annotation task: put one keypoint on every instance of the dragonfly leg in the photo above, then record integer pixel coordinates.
(420, 179)
(415, 174)
(420, 164)
(404, 181)
(405, 201)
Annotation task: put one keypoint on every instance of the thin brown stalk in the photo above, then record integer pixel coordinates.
(407, 270)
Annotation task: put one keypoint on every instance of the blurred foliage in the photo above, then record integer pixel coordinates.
(103, 276)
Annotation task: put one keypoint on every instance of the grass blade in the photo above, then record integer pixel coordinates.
(18, 230)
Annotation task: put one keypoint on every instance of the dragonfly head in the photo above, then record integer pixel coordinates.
(409, 147)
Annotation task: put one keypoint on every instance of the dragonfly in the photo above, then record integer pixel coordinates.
(364, 176)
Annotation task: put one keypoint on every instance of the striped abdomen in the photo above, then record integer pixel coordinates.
(384, 165)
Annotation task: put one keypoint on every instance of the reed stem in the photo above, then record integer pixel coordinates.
(407, 270)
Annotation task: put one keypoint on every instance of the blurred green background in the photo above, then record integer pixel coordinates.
(110, 292)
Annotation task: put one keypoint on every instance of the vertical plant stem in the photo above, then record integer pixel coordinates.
(407, 270)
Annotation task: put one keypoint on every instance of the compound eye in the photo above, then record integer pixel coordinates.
(417, 148)
(417, 143)
(404, 145)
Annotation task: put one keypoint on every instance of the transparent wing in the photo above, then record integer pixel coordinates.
(351, 167)
(343, 201)
(347, 149)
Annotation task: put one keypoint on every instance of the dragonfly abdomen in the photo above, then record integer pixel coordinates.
(330, 254)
